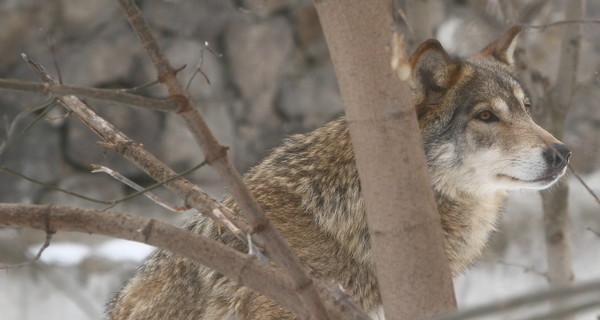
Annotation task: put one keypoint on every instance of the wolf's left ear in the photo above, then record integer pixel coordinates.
(503, 49)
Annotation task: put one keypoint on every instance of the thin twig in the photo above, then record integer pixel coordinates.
(585, 185)
(116, 175)
(146, 85)
(52, 187)
(543, 27)
(525, 268)
(11, 139)
(94, 93)
(198, 68)
(146, 191)
(37, 257)
(54, 60)
(597, 233)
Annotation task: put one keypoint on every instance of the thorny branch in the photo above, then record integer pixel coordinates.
(275, 246)
(136, 154)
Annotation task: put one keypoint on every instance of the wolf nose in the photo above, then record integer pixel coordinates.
(557, 155)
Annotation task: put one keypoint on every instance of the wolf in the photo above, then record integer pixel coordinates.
(480, 142)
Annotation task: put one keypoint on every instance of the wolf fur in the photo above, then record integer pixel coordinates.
(480, 142)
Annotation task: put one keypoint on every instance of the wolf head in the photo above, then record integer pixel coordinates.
(475, 119)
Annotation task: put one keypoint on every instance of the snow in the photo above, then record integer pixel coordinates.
(62, 254)
(122, 250)
(66, 254)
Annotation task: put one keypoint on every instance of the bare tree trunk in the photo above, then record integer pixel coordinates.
(555, 200)
(412, 267)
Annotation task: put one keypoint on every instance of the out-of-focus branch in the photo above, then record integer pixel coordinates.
(543, 27)
(504, 306)
(216, 155)
(525, 268)
(94, 93)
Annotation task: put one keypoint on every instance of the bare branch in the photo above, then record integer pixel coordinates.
(98, 168)
(94, 93)
(245, 269)
(585, 185)
(136, 154)
(216, 155)
(198, 68)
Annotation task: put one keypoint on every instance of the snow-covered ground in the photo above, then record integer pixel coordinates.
(77, 279)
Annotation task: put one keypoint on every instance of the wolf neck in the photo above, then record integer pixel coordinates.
(467, 221)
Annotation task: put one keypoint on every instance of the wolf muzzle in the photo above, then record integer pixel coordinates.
(557, 157)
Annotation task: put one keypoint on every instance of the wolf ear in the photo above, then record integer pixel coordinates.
(433, 69)
(503, 49)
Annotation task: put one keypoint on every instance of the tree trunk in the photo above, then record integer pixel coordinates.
(412, 267)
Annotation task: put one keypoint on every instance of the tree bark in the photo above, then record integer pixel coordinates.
(412, 267)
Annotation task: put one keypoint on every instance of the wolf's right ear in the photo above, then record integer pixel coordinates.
(433, 70)
(503, 49)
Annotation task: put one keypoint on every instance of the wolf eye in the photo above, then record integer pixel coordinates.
(487, 116)
(527, 105)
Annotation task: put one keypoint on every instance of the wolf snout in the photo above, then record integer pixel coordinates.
(557, 156)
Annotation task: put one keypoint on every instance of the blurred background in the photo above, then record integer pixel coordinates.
(266, 73)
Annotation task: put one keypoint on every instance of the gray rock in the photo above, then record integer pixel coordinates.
(203, 20)
(257, 53)
(265, 8)
(80, 18)
(312, 97)
(107, 57)
(24, 26)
